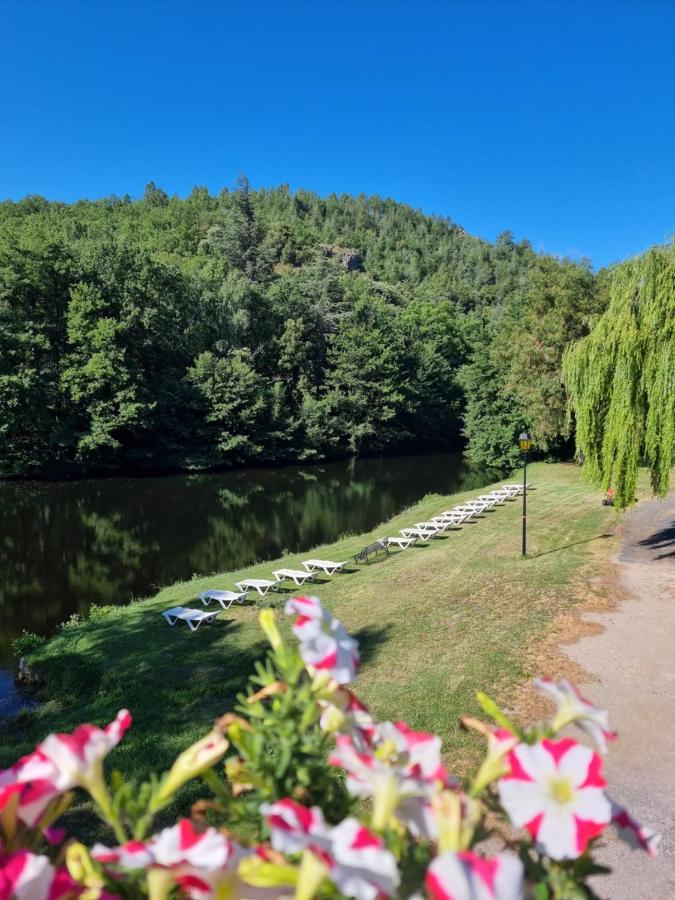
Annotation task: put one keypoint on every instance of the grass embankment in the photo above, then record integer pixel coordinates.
(435, 624)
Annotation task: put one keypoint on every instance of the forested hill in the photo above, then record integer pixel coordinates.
(269, 325)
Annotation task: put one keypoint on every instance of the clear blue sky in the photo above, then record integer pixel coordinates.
(553, 119)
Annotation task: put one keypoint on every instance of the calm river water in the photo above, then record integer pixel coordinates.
(66, 545)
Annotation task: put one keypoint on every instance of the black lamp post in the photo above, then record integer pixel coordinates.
(525, 444)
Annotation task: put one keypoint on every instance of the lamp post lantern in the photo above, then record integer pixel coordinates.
(525, 444)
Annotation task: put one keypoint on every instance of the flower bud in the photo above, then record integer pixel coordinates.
(312, 873)
(385, 801)
(269, 626)
(261, 873)
(192, 762)
(81, 867)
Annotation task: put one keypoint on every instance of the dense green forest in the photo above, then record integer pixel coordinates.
(266, 325)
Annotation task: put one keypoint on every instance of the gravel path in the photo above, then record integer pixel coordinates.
(633, 665)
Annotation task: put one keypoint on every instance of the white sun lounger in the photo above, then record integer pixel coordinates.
(469, 510)
(422, 534)
(493, 499)
(439, 527)
(449, 521)
(517, 488)
(261, 585)
(455, 516)
(297, 576)
(476, 505)
(502, 495)
(323, 565)
(401, 542)
(193, 617)
(489, 501)
(225, 598)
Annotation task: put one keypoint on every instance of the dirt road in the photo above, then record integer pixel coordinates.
(633, 665)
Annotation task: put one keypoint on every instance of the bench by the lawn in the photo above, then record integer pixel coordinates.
(372, 550)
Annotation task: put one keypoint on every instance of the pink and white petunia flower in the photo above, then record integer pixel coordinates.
(555, 790)
(400, 774)
(344, 713)
(325, 646)
(203, 864)
(27, 876)
(466, 876)
(295, 827)
(183, 845)
(362, 865)
(573, 707)
(356, 860)
(132, 855)
(33, 779)
(76, 758)
(417, 752)
(638, 836)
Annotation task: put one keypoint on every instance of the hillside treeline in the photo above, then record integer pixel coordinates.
(266, 325)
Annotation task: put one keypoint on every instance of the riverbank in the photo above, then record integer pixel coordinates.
(66, 546)
(435, 623)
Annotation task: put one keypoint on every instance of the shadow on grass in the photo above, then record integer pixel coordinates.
(370, 639)
(597, 537)
(173, 681)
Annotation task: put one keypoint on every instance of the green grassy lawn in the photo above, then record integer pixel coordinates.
(435, 623)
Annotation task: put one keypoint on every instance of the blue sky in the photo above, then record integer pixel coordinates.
(553, 119)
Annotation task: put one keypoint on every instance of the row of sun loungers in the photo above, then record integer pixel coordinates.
(194, 617)
(424, 531)
(420, 531)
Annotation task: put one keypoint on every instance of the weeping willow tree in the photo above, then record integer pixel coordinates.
(621, 379)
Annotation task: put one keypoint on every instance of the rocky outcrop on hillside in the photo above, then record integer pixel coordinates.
(348, 258)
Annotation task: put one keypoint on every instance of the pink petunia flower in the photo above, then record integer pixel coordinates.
(466, 876)
(356, 860)
(633, 833)
(344, 713)
(401, 773)
(183, 845)
(27, 876)
(76, 759)
(33, 779)
(555, 790)
(295, 827)
(202, 863)
(325, 646)
(362, 866)
(573, 707)
(129, 856)
(418, 752)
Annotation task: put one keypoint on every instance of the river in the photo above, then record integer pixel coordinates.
(67, 545)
